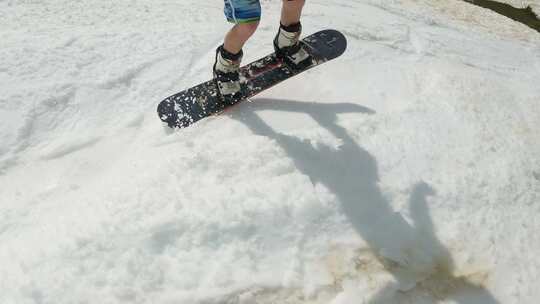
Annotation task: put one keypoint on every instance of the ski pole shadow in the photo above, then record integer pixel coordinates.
(411, 253)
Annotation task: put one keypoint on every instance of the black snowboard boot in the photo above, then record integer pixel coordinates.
(289, 48)
(226, 75)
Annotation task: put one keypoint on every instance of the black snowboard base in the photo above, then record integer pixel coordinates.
(189, 106)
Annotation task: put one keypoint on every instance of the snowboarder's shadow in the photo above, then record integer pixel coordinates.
(412, 253)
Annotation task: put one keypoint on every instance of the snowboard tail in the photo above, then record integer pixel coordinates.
(189, 106)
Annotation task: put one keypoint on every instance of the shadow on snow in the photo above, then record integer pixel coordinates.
(411, 253)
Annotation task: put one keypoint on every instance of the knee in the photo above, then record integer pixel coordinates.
(246, 30)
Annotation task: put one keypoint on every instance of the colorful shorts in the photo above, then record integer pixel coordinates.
(242, 11)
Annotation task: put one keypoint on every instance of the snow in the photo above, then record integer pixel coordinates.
(405, 171)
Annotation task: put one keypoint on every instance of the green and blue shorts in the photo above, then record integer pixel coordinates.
(242, 11)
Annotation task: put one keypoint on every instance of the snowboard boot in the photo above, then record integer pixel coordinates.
(288, 47)
(226, 75)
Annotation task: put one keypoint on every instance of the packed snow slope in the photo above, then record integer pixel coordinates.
(405, 171)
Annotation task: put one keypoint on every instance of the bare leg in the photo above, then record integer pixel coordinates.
(286, 43)
(291, 11)
(238, 35)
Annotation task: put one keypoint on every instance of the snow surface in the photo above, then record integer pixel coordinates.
(406, 171)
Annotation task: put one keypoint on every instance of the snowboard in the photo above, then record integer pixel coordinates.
(191, 105)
